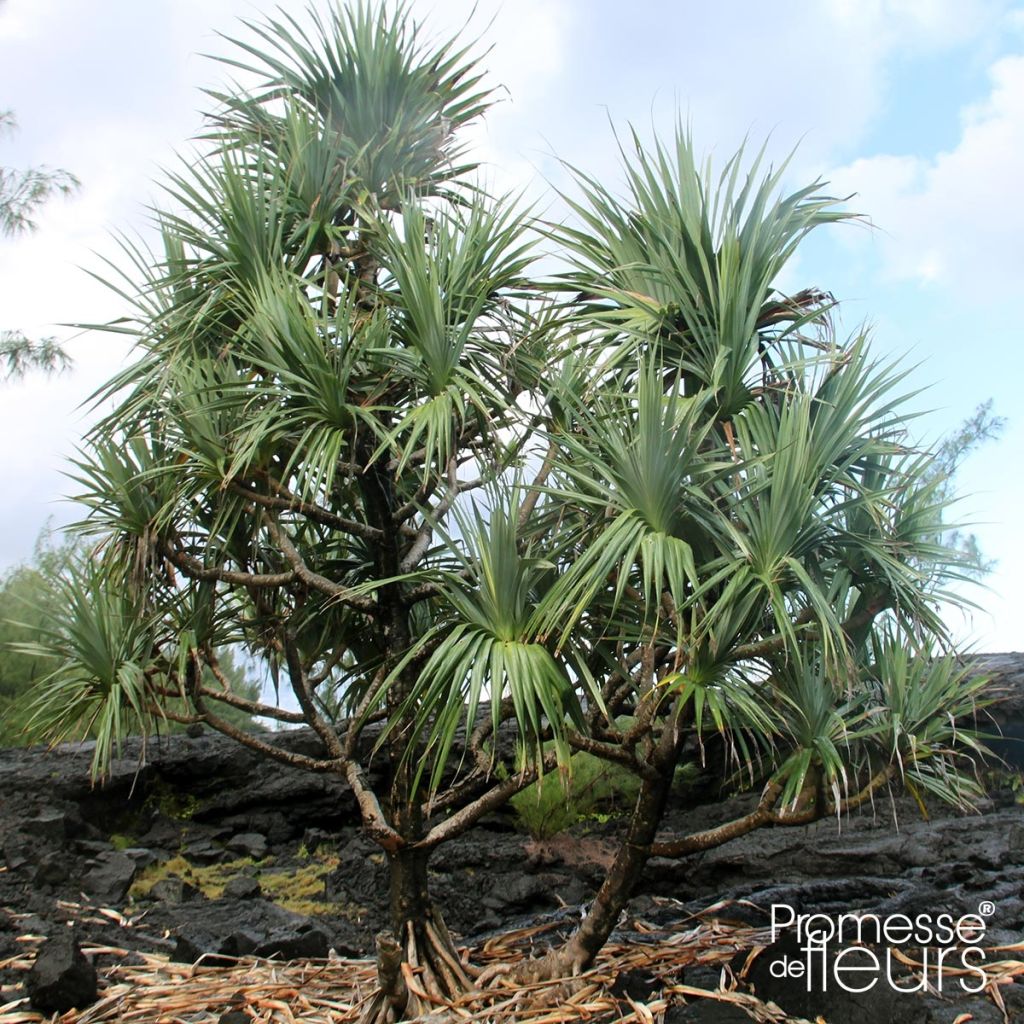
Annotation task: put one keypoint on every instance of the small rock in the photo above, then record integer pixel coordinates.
(163, 832)
(234, 1017)
(639, 987)
(174, 890)
(192, 944)
(17, 852)
(703, 976)
(143, 856)
(48, 824)
(93, 847)
(220, 929)
(242, 887)
(52, 869)
(306, 944)
(241, 943)
(271, 824)
(314, 838)
(203, 851)
(1015, 841)
(110, 878)
(62, 977)
(248, 844)
(36, 925)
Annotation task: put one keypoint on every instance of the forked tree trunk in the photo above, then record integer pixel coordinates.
(418, 967)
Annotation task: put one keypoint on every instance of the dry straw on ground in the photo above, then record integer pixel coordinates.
(157, 991)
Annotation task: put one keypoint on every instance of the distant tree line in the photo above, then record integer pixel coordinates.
(28, 604)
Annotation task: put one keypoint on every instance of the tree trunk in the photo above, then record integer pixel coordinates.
(580, 950)
(578, 953)
(418, 966)
(417, 963)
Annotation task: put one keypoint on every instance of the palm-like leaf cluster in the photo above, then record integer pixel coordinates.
(738, 495)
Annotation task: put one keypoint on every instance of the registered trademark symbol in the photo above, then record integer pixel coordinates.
(986, 908)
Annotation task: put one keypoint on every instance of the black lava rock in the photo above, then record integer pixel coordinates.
(639, 987)
(143, 856)
(706, 1011)
(242, 887)
(18, 851)
(306, 943)
(204, 851)
(814, 991)
(62, 976)
(110, 877)
(48, 824)
(52, 869)
(248, 844)
(175, 890)
(225, 928)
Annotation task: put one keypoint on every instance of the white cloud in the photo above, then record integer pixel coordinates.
(914, 24)
(20, 20)
(956, 218)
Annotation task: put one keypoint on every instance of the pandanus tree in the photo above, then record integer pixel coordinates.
(472, 521)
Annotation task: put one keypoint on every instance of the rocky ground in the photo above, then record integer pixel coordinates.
(207, 849)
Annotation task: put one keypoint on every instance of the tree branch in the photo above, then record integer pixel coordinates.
(268, 750)
(374, 821)
(765, 814)
(253, 707)
(457, 793)
(495, 797)
(617, 753)
(195, 569)
(359, 717)
(426, 532)
(229, 697)
(297, 677)
(317, 514)
(533, 495)
(773, 645)
(314, 579)
(330, 664)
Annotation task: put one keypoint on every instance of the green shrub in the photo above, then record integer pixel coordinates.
(594, 790)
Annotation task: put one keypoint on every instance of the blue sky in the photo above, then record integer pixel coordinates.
(917, 106)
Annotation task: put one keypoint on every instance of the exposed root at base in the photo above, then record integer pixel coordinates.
(419, 976)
